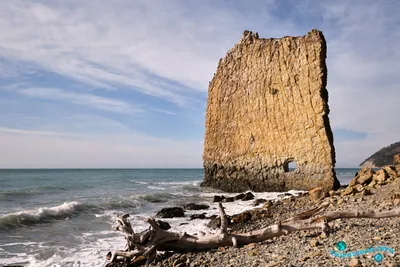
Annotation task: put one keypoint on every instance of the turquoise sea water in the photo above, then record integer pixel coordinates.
(63, 217)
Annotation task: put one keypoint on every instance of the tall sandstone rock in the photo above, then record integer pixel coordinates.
(267, 106)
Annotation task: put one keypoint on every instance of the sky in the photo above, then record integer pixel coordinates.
(123, 83)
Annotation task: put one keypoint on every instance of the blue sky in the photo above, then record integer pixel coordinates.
(121, 83)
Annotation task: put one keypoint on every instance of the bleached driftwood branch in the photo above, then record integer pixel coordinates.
(156, 239)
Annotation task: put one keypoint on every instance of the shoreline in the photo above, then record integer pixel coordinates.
(308, 248)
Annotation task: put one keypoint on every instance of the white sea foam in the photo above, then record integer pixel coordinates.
(195, 183)
(139, 182)
(156, 187)
(91, 254)
(38, 215)
(19, 258)
(18, 243)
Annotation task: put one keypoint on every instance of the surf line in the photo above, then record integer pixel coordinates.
(361, 252)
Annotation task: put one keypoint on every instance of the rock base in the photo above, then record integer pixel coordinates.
(239, 179)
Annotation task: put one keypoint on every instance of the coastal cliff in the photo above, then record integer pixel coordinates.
(268, 106)
(385, 156)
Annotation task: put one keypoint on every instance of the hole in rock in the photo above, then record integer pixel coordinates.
(290, 165)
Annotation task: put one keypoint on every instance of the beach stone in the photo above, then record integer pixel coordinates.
(259, 201)
(364, 176)
(198, 216)
(305, 258)
(355, 263)
(315, 254)
(248, 196)
(366, 192)
(391, 170)
(289, 200)
(372, 184)
(381, 176)
(240, 196)
(229, 199)
(359, 188)
(314, 242)
(396, 159)
(398, 169)
(317, 194)
(395, 198)
(285, 195)
(241, 218)
(267, 204)
(218, 198)
(163, 225)
(214, 223)
(254, 252)
(250, 246)
(333, 193)
(377, 238)
(193, 206)
(171, 212)
(348, 191)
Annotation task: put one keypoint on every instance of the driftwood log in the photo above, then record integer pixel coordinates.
(155, 239)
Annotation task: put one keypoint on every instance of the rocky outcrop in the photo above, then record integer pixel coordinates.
(364, 176)
(385, 156)
(267, 106)
(171, 212)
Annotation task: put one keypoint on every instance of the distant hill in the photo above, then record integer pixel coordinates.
(383, 157)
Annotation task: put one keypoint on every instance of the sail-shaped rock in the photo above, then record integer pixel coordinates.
(268, 106)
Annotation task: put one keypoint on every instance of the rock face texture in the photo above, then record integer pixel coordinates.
(267, 106)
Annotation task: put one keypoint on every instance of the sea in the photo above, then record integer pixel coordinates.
(63, 217)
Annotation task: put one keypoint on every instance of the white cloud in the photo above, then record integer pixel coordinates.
(143, 45)
(32, 132)
(163, 111)
(90, 100)
(112, 43)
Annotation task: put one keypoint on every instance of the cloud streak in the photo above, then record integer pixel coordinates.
(90, 100)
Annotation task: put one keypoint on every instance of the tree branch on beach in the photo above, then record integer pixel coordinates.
(156, 239)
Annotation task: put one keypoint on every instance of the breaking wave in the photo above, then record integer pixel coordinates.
(41, 215)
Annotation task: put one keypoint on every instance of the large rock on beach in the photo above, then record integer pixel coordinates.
(391, 170)
(248, 196)
(364, 176)
(268, 106)
(171, 212)
(317, 194)
(218, 198)
(396, 159)
(380, 176)
(198, 216)
(240, 196)
(163, 225)
(193, 206)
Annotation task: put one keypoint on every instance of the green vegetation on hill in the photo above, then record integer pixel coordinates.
(383, 157)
